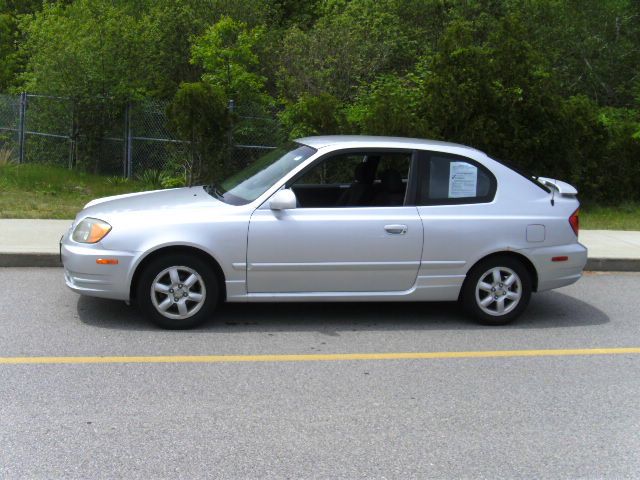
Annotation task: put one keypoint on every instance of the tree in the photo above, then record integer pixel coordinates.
(199, 114)
(348, 47)
(592, 45)
(10, 38)
(488, 87)
(225, 51)
(313, 115)
(553, 85)
(389, 106)
(88, 48)
(8, 67)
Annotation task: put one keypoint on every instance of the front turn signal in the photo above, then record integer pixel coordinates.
(107, 261)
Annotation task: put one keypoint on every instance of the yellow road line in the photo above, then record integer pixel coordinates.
(319, 357)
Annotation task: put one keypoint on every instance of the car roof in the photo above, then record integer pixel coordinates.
(371, 141)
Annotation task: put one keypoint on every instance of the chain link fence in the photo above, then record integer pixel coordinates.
(253, 133)
(9, 127)
(125, 140)
(48, 125)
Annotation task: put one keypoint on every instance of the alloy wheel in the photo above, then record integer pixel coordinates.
(178, 292)
(498, 291)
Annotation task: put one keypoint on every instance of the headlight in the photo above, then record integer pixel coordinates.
(90, 230)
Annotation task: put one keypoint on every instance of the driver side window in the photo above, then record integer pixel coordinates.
(362, 179)
(339, 172)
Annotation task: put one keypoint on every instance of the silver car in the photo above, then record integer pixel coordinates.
(334, 218)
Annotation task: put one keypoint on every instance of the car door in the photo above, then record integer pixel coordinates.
(454, 197)
(374, 246)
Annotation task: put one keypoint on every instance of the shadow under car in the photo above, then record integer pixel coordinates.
(550, 309)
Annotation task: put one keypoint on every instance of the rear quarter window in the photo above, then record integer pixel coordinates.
(446, 179)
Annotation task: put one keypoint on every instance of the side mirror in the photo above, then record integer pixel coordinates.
(283, 200)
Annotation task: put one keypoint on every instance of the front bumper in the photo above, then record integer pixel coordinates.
(84, 276)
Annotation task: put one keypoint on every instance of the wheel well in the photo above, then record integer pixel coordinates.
(517, 256)
(180, 249)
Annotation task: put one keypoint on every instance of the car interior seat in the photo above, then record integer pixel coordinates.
(392, 189)
(360, 191)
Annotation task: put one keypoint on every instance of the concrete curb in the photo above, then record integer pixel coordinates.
(613, 265)
(53, 260)
(29, 260)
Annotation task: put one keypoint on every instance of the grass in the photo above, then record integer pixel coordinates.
(6, 156)
(42, 191)
(621, 217)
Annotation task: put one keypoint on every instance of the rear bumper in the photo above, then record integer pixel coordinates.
(84, 276)
(557, 274)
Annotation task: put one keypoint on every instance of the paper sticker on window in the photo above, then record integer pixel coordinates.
(463, 180)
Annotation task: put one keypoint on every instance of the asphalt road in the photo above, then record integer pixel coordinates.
(572, 416)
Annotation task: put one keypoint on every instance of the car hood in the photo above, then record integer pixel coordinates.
(157, 200)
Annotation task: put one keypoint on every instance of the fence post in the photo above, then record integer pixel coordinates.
(21, 132)
(72, 133)
(124, 140)
(128, 143)
(232, 107)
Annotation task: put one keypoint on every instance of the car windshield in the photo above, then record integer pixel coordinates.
(251, 182)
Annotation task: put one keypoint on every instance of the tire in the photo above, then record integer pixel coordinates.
(497, 290)
(178, 291)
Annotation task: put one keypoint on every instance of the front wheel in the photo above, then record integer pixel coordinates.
(497, 290)
(178, 291)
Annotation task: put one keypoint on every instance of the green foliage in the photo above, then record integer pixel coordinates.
(592, 43)
(296, 12)
(313, 115)
(99, 49)
(389, 106)
(11, 63)
(116, 180)
(45, 191)
(225, 51)
(154, 179)
(489, 87)
(622, 216)
(552, 86)
(343, 49)
(173, 25)
(7, 156)
(151, 178)
(169, 181)
(7, 51)
(199, 113)
(619, 166)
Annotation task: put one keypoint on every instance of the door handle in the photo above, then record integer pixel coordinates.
(396, 229)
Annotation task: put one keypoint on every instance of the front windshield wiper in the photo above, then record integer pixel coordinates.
(215, 191)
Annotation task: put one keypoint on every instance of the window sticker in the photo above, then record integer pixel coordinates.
(463, 180)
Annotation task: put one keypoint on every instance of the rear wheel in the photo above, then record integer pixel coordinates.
(497, 290)
(178, 291)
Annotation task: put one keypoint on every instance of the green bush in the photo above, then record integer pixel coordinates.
(313, 115)
(199, 114)
(6, 156)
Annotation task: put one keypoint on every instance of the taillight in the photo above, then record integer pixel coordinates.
(574, 221)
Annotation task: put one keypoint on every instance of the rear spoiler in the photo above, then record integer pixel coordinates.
(563, 188)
